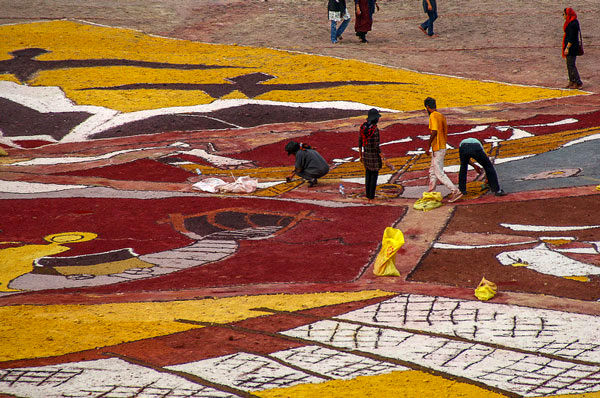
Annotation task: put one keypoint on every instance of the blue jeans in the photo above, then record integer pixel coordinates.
(337, 32)
(475, 151)
(428, 25)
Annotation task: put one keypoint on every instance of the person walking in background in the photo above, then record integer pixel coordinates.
(438, 130)
(571, 46)
(430, 8)
(309, 164)
(471, 149)
(338, 12)
(369, 152)
(364, 17)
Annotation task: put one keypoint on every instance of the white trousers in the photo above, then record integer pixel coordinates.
(436, 171)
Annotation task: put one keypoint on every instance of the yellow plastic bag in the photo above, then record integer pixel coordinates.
(486, 290)
(429, 201)
(598, 188)
(393, 239)
(436, 196)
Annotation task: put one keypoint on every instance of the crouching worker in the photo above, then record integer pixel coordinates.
(471, 149)
(309, 165)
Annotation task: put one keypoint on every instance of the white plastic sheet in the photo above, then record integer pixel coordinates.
(243, 184)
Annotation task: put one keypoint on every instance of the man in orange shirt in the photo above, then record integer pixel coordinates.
(438, 130)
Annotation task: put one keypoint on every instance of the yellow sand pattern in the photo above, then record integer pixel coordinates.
(68, 40)
(543, 143)
(108, 268)
(514, 148)
(32, 331)
(408, 384)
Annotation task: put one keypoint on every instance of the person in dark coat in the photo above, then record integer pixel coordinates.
(364, 17)
(338, 12)
(571, 46)
(309, 163)
(369, 152)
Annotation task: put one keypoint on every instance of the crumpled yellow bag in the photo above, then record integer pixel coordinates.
(486, 290)
(429, 201)
(393, 239)
(598, 188)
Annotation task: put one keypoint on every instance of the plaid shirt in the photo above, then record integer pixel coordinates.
(369, 140)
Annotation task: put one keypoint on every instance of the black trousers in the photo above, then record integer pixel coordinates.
(475, 151)
(310, 176)
(572, 69)
(371, 182)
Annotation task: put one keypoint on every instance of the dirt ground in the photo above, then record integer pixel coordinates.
(516, 42)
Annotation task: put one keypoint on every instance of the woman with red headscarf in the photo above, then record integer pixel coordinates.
(571, 46)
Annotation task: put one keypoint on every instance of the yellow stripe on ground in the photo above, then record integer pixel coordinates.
(507, 149)
(67, 40)
(542, 143)
(408, 384)
(32, 331)
(278, 189)
(344, 170)
(263, 173)
(515, 148)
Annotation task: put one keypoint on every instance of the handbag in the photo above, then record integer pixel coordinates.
(580, 51)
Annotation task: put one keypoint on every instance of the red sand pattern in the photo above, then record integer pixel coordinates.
(294, 256)
(138, 170)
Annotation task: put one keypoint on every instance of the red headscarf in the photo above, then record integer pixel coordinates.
(366, 131)
(571, 16)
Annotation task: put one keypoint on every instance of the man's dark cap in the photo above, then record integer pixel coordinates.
(292, 147)
(373, 115)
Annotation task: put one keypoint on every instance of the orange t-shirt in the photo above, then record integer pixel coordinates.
(437, 122)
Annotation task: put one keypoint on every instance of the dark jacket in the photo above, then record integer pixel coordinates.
(370, 144)
(369, 3)
(339, 5)
(310, 163)
(572, 36)
(433, 6)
